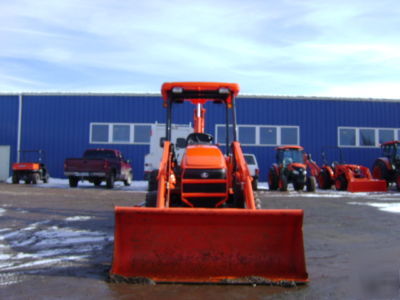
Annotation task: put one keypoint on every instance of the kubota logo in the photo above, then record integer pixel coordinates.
(204, 175)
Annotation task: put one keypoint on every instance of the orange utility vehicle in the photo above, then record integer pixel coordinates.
(350, 177)
(32, 170)
(387, 167)
(204, 225)
(290, 167)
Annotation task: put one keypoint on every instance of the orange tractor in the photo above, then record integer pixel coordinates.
(350, 177)
(202, 224)
(387, 167)
(290, 167)
(30, 171)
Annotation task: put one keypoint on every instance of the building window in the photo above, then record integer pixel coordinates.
(247, 135)
(347, 137)
(261, 135)
(268, 136)
(221, 134)
(386, 135)
(289, 136)
(366, 137)
(142, 133)
(118, 133)
(99, 133)
(121, 133)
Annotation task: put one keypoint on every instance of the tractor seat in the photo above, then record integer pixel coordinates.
(199, 138)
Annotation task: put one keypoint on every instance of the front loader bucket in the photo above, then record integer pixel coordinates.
(367, 185)
(209, 245)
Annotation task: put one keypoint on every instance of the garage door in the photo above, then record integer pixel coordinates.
(4, 162)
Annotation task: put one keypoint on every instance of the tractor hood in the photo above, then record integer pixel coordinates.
(203, 157)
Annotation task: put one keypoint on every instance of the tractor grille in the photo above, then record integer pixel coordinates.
(205, 201)
(204, 188)
(205, 174)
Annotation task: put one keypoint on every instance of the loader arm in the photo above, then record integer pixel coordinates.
(164, 176)
(243, 176)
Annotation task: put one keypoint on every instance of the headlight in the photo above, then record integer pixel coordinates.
(305, 172)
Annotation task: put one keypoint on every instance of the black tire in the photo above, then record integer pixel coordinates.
(153, 183)
(273, 180)
(97, 182)
(46, 178)
(15, 179)
(398, 182)
(73, 181)
(151, 199)
(380, 171)
(324, 180)
(298, 186)
(311, 184)
(128, 180)
(238, 197)
(341, 183)
(110, 181)
(28, 180)
(254, 184)
(35, 178)
(283, 183)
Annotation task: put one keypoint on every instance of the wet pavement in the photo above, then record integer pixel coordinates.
(58, 243)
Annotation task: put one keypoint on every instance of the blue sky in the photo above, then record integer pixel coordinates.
(335, 48)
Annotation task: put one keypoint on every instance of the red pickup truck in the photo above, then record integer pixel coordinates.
(98, 165)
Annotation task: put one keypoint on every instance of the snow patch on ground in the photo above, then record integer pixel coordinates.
(61, 183)
(78, 218)
(43, 245)
(387, 207)
(2, 211)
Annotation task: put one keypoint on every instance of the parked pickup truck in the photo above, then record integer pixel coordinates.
(98, 165)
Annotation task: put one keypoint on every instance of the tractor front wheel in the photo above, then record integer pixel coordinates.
(273, 180)
(283, 182)
(311, 184)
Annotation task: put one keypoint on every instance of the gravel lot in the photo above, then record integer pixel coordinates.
(56, 243)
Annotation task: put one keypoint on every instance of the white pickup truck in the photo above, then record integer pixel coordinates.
(152, 159)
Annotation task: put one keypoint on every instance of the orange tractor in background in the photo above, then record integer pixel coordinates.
(290, 167)
(387, 167)
(30, 170)
(202, 224)
(350, 177)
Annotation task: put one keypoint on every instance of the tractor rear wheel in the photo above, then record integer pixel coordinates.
(151, 199)
(273, 180)
(283, 183)
(46, 178)
(153, 183)
(311, 184)
(341, 183)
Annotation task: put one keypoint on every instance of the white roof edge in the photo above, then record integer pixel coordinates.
(158, 94)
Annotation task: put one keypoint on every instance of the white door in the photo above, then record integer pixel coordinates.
(4, 162)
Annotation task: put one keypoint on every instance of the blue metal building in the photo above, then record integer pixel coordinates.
(65, 124)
